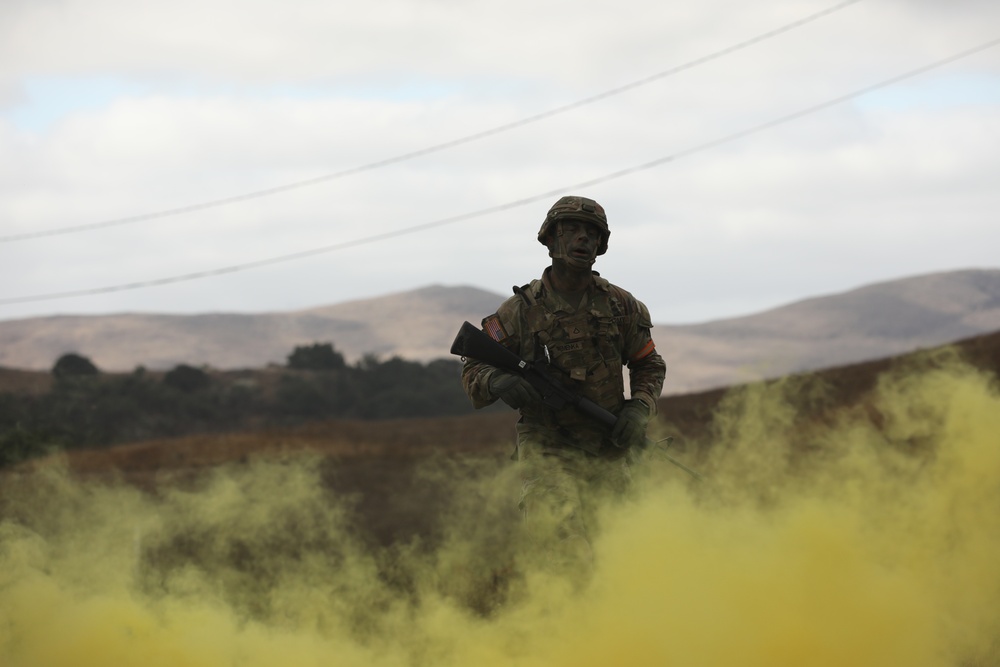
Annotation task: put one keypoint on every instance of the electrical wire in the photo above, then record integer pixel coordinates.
(513, 204)
(436, 147)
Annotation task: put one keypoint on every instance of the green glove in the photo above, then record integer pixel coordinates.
(512, 389)
(630, 429)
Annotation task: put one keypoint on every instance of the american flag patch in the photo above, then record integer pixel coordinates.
(494, 328)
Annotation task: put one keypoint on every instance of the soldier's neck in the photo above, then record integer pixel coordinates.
(570, 279)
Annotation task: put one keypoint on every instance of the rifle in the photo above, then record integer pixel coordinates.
(473, 343)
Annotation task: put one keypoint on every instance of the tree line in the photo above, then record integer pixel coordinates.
(88, 408)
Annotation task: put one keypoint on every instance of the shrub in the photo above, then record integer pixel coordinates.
(316, 357)
(19, 444)
(73, 365)
(186, 378)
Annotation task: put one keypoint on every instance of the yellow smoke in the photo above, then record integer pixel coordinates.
(866, 537)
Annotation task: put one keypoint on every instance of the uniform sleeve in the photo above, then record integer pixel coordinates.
(476, 374)
(475, 381)
(645, 365)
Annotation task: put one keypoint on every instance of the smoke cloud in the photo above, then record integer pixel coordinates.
(866, 537)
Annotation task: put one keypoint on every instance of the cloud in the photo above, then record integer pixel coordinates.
(188, 103)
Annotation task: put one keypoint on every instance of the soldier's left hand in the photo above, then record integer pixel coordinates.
(630, 429)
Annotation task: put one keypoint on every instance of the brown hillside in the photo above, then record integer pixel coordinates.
(872, 322)
(418, 324)
(16, 381)
(844, 386)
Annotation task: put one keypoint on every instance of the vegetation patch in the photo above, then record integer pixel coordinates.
(86, 408)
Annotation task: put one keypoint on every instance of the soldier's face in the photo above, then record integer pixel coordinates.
(581, 238)
(579, 241)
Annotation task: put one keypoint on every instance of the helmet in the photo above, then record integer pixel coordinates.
(577, 208)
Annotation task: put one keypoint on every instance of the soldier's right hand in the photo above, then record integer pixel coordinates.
(512, 389)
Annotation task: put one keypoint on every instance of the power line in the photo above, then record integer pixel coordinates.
(436, 147)
(513, 204)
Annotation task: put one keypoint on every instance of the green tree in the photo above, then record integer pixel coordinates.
(72, 364)
(316, 357)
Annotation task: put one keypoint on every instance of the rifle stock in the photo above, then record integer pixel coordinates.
(474, 343)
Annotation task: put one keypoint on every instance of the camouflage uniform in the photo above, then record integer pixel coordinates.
(566, 457)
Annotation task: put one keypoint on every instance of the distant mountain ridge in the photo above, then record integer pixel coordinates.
(879, 320)
(418, 325)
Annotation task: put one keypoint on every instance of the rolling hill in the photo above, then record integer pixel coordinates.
(870, 322)
(874, 321)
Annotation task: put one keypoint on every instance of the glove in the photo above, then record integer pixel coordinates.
(513, 390)
(630, 429)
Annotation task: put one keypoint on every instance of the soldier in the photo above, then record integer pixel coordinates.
(587, 329)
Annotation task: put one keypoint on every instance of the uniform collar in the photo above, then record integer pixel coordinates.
(561, 304)
(599, 282)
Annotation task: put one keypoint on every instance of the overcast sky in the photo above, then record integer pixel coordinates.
(114, 110)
